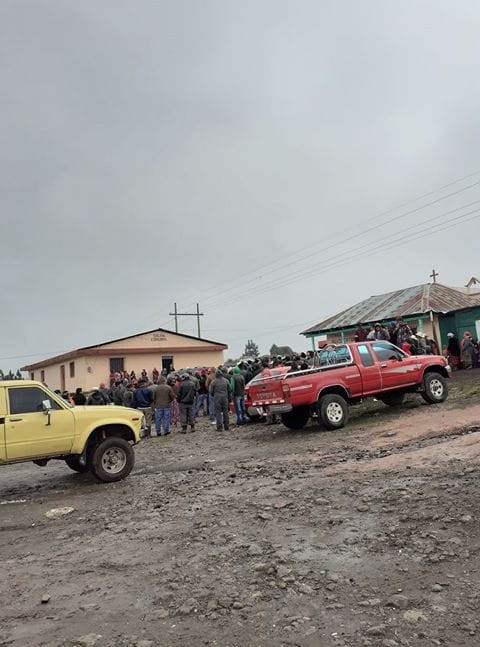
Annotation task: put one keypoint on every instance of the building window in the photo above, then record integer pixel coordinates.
(32, 376)
(42, 376)
(72, 369)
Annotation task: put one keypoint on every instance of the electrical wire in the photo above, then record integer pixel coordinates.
(344, 261)
(304, 257)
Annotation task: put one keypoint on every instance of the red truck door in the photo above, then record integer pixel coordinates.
(369, 370)
(397, 369)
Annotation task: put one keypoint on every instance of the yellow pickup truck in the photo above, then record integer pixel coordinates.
(37, 425)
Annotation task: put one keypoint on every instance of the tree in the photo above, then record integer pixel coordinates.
(281, 350)
(251, 349)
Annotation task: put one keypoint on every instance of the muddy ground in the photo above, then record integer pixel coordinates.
(261, 536)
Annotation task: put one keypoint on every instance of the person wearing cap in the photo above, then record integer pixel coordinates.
(380, 333)
(186, 402)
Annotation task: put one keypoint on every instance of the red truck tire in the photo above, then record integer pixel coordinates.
(297, 418)
(435, 388)
(332, 411)
(392, 399)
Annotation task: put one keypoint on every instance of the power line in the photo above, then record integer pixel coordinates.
(385, 247)
(284, 265)
(301, 273)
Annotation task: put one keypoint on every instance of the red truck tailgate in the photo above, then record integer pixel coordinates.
(267, 390)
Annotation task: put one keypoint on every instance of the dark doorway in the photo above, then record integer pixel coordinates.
(116, 364)
(167, 361)
(62, 378)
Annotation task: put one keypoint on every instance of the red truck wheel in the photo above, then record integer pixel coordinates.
(333, 411)
(392, 399)
(435, 388)
(296, 418)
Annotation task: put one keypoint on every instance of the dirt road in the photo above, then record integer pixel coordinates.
(256, 537)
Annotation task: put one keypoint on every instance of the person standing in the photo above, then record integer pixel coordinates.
(360, 333)
(162, 399)
(107, 393)
(237, 384)
(404, 332)
(380, 333)
(453, 351)
(186, 402)
(202, 397)
(142, 400)
(221, 391)
(128, 396)
(79, 397)
(467, 350)
(211, 404)
(96, 398)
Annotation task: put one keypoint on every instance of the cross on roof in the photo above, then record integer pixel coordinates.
(434, 275)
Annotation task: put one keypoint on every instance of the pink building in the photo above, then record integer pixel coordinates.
(88, 367)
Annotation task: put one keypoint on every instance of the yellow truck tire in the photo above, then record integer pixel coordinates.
(112, 459)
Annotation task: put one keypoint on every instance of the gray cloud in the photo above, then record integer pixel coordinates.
(158, 151)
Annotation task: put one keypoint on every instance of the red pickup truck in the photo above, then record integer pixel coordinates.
(346, 374)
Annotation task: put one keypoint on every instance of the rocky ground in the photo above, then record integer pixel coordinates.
(369, 536)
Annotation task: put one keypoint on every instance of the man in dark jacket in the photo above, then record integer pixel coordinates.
(96, 398)
(237, 384)
(117, 394)
(128, 396)
(202, 395)
(186, 403)
(221, 391)
(78, 397)
(142, 400)
(162, 398)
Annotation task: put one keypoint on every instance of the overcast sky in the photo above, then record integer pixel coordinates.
(235, 153)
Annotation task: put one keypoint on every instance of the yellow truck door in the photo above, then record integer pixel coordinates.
(28, 433)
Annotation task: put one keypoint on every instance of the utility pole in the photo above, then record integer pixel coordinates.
(196, 314)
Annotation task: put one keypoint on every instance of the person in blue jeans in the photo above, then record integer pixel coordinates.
(237, 384)
(202, 395)
(162, 398)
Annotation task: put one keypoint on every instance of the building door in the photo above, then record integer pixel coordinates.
(167, 362)
(62, 378)
(116, 364)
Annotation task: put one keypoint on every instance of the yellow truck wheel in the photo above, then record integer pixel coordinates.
(74, 464)
(112, 460)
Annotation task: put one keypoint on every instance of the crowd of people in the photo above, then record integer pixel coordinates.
(175, 398)
(409, 339)
(172, 398)
(463, 353)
